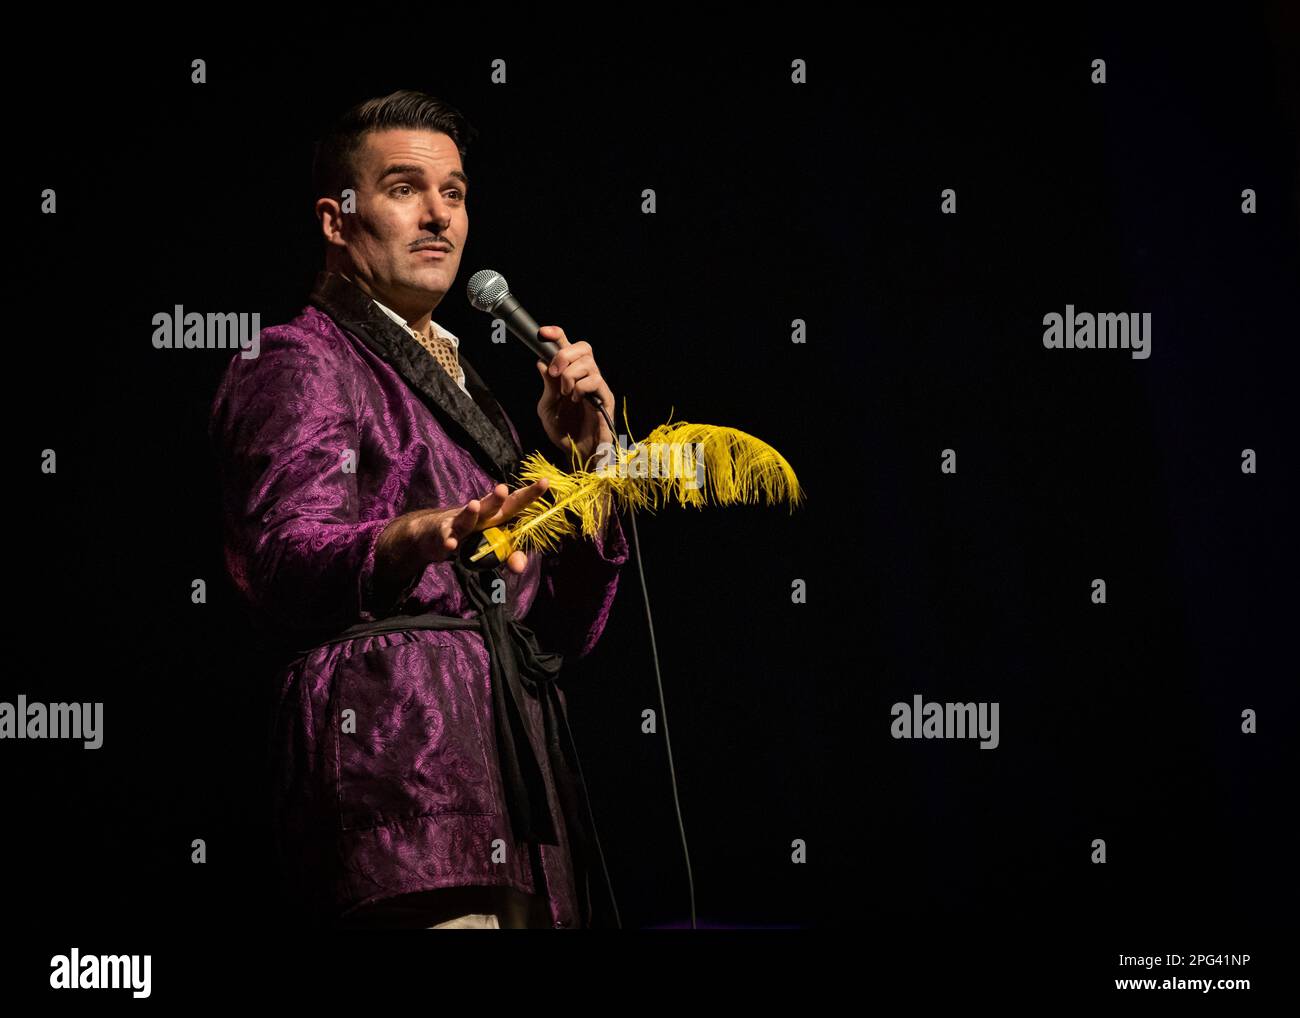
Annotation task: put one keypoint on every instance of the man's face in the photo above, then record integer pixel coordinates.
(410, 225)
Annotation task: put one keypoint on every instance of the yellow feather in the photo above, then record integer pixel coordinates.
(736, 467)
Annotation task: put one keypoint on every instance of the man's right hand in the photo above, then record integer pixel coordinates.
(437, 533)
(413, 540)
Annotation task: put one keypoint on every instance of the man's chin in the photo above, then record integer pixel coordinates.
(432, 284)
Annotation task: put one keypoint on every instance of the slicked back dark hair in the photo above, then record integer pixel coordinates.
(333, 164)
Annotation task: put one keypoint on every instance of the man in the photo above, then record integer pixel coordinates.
(424, 774)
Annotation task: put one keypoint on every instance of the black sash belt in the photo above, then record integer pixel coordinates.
(518, 667)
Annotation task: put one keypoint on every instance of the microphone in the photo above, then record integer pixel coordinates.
(489, 292)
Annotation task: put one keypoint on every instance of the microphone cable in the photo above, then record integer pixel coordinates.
(663, 713)
(489, 292)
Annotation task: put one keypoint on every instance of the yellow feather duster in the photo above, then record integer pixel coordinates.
(691, 464)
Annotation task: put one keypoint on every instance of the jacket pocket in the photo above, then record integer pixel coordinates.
(413, 723)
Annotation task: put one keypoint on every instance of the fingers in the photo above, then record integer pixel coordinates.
(580, 376)
(491, 503)
(573, 367)
(516, 502)
(555, 334)
(455, 527)
(494, 509)
(567, 353)
(569, 356)
(592, 383)
(498, 507)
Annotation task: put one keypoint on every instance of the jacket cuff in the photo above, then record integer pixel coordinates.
(611, 543)
(370, 609)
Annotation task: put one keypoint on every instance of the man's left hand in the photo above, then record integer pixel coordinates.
(566, 415)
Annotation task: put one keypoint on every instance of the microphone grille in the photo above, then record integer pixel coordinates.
(487, 288)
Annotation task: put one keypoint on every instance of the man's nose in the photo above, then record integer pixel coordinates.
(437, 214)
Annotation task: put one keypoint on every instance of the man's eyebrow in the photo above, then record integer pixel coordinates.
(416, 170)
(402, 168)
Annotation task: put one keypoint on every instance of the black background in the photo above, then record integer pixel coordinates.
(775, 202)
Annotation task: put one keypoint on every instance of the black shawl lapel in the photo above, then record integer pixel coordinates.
(480, 422)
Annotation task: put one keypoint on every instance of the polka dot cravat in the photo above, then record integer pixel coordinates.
(441, 350)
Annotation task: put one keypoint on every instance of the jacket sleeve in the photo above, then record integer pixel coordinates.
(577, 589)
(285, 434)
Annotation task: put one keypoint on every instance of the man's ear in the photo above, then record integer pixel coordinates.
(330, 214)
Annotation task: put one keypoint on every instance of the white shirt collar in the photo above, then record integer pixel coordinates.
(451, 339)
(438, 329)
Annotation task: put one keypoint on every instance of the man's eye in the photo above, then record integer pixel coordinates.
(399, 187)
(459, 195)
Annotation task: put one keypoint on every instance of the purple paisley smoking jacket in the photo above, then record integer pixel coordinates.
(387, 777)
